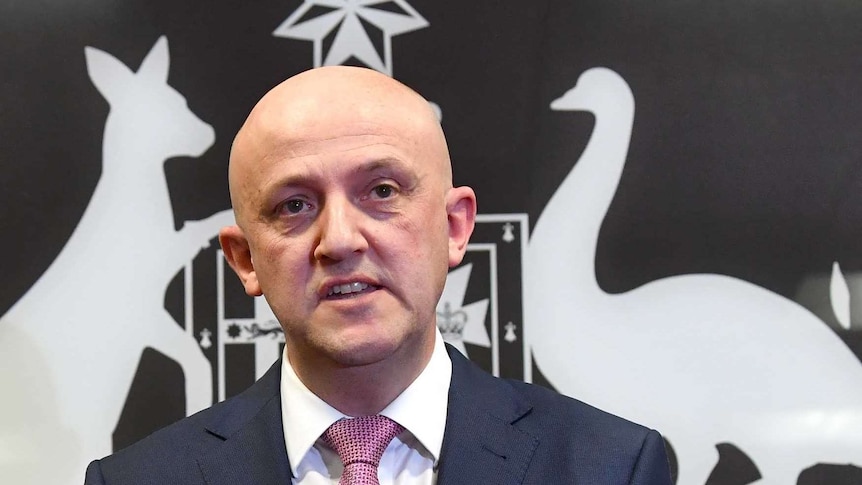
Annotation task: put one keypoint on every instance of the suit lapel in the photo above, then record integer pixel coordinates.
(253, 451)
(481, 443)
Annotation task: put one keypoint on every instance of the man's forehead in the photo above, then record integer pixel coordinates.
(326, 157)
(289, 130)
(334, 134)
(333, 101)
(338, 139)
(330, 110)
(333, 144)
(301, 125)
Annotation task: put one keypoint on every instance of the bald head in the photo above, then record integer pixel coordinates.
(347, 222)
(331, 102)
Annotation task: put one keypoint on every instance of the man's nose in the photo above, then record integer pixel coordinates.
(340, 231)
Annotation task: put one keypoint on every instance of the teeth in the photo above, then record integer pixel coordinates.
(347, 288)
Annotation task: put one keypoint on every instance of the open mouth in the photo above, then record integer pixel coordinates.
(349, 290)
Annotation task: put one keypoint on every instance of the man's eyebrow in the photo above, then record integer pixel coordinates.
(381, 164)
(290, 180)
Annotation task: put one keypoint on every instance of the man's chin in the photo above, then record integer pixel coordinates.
(362, 354)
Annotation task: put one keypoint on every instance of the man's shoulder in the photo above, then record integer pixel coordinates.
(178, 437)
(580, 440)
(547, 407)
(171, 453)
(167, 454)
(557, 438)
(542, 411)
(565, 413)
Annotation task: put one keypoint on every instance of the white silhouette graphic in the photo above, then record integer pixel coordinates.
(75, 338)
(835, 297)
(351, 39)
(508, 236)
(704, 358)
(459, 323)
(510, 332)
(839, 296)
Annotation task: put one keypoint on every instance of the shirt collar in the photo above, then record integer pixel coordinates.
(421, 408)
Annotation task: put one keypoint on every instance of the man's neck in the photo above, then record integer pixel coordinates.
(366, 389)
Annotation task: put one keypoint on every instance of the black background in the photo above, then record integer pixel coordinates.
(745, 155)
(744, 159)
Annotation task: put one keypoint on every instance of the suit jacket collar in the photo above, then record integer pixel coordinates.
(482, 443)
(253, 450)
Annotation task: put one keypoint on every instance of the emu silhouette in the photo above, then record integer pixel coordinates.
(704, 358)
(101, 302)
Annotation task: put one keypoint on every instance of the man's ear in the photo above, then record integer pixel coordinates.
(461, 212)
(238, 256)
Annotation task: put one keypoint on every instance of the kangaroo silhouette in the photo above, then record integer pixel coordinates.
(704, 358)
(101, 302)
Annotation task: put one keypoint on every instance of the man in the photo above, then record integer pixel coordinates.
(347, 223)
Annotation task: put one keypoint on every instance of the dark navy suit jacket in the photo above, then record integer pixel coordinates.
(497, 432)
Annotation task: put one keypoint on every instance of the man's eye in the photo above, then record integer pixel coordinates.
(294, 206)
(383, 191)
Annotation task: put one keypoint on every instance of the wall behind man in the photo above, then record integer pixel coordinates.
(744, 160)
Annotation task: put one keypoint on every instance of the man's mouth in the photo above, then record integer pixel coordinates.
(349, 289)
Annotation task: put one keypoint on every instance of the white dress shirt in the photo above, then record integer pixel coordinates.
(411, 457)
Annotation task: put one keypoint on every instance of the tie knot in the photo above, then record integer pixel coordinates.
(361, 439)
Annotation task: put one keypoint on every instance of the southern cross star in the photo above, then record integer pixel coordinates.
(315, 20)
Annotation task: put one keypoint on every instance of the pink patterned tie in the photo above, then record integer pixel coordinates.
(359, 443)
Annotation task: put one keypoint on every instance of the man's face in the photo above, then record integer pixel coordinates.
(348, 230)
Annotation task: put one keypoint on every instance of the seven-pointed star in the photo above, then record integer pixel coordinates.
(454, 291)
(351, 39)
